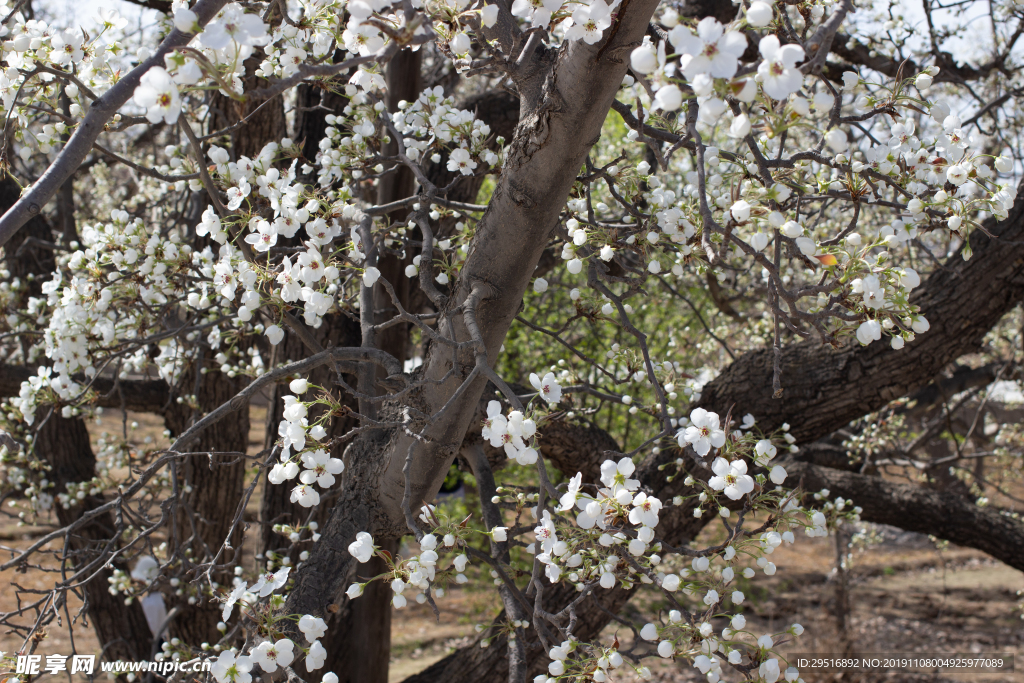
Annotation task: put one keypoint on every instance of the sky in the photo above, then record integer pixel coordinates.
(86, 13)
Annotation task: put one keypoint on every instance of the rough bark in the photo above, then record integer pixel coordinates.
(121, 629)
(359, 649)
(961, 379)
(314, 100)
(359, 645)
(824, 388)
(369, 620)
(499, 110)
(921, 509)
(205, 513)
(266, 125)
(275, 504)
(573, 448)
(722, 10)
(216, 479)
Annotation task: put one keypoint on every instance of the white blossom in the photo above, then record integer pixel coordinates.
(272, 655)
(778, 71)
(158, 94)
(230, 668)
(731, 477)
(703, 433)
(711, 51)
(548, 387)
(362, 548)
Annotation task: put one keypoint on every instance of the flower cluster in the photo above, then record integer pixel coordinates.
(318, 467)
(604, 535)
(419, 574)
(429, 126)
(863, 282)
(269, 655)
(513, 433)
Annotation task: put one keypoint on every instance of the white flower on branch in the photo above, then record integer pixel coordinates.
(778, 73)
(270, 582)
(158, 94)
(538, 12)
(231, 669)
(548, 387)
(270, 655)
(362, 548)
(731, 478)
(588, 22)
(320, 468)
(711, 51)
(703, 433)
(759, 14)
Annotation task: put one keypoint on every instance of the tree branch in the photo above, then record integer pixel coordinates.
(87, 132)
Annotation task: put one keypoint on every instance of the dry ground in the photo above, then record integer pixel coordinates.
(905, 596)
(902, 600)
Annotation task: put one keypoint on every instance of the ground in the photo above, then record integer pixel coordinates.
(905, 596)
(902, 600)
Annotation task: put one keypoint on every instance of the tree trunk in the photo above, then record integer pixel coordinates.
(265, 126)
(359, 645)
(216, 479)
(314, 100)
(121, 629)
(275, 503)
(567, 98)
(841, 542)
(921, 509)
(212, 481)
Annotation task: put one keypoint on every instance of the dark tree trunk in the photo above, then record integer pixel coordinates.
(921, 509)
(215, 475)
(315, 100)
(841, 543)
(121, 629)
(275, 504)
(404, 83)
(265, 126)
(361, 642)
(358, 640)
(204, 520)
